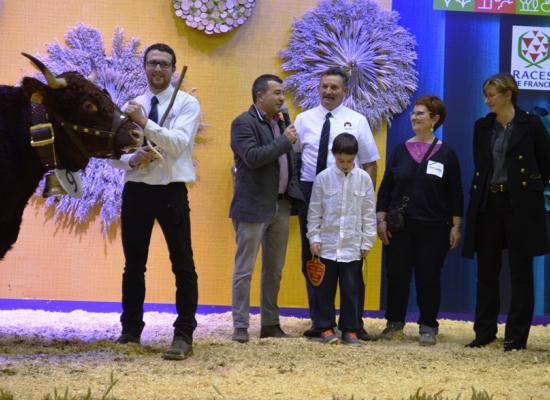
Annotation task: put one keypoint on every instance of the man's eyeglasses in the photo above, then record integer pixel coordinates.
(162, 64)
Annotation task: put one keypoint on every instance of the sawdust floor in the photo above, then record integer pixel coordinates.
(41, 351)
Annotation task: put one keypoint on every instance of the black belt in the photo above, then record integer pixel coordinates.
(281, 196)
(498, 188)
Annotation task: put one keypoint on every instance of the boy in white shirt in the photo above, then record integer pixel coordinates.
(341, 230)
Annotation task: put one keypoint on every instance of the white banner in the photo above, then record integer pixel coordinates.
(530, 57)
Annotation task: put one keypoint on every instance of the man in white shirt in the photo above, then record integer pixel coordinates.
(333, 87)
(155, 189)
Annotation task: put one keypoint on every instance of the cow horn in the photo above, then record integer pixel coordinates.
(53, 82)
(93, 76)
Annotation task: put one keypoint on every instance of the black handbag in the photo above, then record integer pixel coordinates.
(395, 216)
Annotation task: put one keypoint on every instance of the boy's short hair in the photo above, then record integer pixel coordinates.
(345, 143)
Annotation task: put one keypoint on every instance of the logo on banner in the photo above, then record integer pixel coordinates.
(530, 57)
(496, 6)
(454, 5)
(518, 7)
(534, 6)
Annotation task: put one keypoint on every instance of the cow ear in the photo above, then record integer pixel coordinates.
(34, 89)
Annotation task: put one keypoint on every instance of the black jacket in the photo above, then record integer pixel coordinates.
(256, 153)
(528, 167)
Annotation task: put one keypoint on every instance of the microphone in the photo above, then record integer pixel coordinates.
(286, 117)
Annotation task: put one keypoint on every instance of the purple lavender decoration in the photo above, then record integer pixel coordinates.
(367, 42)
(121, 74)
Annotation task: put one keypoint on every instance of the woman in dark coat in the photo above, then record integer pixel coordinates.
(506, 210)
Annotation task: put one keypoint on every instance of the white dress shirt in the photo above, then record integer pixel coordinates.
(309, 125)
(174, 140)
(341, 215)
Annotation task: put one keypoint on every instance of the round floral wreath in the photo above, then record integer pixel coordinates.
(214, 16)
(367, 42)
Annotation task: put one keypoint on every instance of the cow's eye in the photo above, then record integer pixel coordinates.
(88, 106)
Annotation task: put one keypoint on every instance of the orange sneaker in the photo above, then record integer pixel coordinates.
(328, 337)
(350, 338)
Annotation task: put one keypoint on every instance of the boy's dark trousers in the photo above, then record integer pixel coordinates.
(348, 275)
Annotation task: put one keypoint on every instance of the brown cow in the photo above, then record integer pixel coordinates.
(71, 120)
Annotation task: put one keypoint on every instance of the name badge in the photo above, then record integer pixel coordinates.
(435, 168)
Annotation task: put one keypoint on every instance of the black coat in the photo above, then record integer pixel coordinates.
(528, 167)
(256, 153)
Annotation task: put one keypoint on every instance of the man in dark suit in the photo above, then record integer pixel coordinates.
(265, 190)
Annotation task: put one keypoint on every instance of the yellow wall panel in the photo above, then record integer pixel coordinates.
(52, 262)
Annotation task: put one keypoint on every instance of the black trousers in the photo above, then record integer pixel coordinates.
(347, 275)
(168, 204)
(420, 247)
(490, 240)
(314, 307)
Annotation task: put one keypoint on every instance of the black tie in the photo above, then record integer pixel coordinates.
(154, 113)
(323, 145)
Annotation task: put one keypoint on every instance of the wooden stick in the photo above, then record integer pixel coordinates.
(180, 81)
(165, 115)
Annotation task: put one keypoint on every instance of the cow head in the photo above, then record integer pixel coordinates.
(86, 121)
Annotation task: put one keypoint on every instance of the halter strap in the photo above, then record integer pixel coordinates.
(42, 135)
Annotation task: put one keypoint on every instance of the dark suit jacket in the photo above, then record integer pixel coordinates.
(256, 153)
(528, 166)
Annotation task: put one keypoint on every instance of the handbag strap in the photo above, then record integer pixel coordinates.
(405, 198)
(427, 154)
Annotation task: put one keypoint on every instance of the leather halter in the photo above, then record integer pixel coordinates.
(42, 135)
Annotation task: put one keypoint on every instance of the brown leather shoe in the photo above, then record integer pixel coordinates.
(510, 345)
(273, 331)
(478, 343)
(126, 338)
(312, 333)
(363, 335)
(180, 349)
(240, 335)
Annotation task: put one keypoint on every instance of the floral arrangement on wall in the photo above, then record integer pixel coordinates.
(214, 16)
(364, 40)
(121, 74)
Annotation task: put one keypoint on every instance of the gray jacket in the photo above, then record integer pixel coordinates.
(256, 153)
